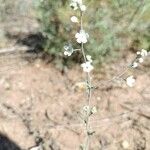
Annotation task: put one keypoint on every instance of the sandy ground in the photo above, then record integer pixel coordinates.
(40, 106)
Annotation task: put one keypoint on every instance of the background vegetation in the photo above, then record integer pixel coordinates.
(113, 25)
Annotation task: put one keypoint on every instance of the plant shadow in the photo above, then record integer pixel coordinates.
(7, 144)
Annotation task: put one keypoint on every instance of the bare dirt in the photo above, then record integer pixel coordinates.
(40, 106)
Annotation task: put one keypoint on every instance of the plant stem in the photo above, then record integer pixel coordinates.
(89, 92)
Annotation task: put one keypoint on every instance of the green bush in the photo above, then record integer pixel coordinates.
(112, 25)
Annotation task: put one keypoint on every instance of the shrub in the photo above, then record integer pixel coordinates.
(113, 24)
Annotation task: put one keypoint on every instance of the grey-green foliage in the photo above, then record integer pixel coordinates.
(113, 25)
(117, 25)
(13, 8)
(54, 25)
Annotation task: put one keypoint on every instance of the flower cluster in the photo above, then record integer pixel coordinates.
(140, 58)
(130, 81)
(68, 49)
(82, 36)
(87, 66)
(77, 4)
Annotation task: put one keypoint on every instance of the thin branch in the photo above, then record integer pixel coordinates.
(89, 92)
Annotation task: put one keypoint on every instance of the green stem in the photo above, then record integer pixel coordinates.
(89, 92)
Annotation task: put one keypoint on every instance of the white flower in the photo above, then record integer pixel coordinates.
(138, 53)
(82, 36)
(135, 64)
(68, 50)
(141, 60)
(94, 110)
(87, 67)
(83, 8)
(74, 5)
(86, 108)
(66, 53)
(79, 2)
(144, 53)
(88, 57)
(74, 19)
(130, 81)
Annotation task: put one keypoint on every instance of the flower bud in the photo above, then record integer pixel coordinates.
(74, 19)
(83, 8)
